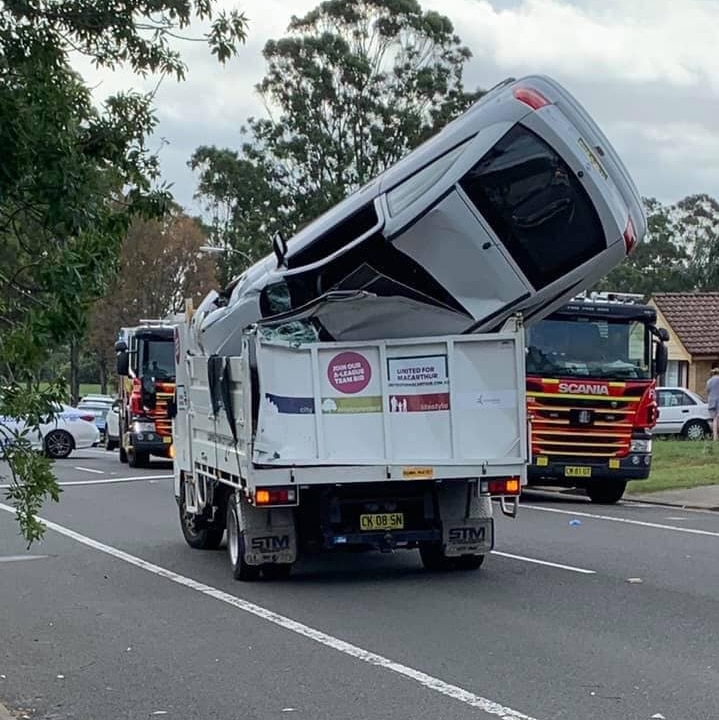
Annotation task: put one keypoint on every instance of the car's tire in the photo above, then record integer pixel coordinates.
(696, 430)
(123, 455)
(236, 547)
(110, 444)
(434, 559)
(138, 459)
(59, 444)
(607, 492)
(207, 538)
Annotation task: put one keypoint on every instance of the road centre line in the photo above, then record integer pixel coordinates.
(90, 470)
(626, 521)
(427, 681)
(571, 568)
(105, 481)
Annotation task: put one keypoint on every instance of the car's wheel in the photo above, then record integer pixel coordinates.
(59, 444)
(696, 430)
(123, 454)
(236, 547)
(606, 492)
(110, 444)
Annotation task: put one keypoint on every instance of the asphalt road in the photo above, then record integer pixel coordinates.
(582, 612)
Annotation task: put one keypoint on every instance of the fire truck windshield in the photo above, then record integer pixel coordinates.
(158, 359)
(590, 348)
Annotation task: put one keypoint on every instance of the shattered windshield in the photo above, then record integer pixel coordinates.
(593, 348)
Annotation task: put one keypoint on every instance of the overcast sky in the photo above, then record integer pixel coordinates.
(646, 70)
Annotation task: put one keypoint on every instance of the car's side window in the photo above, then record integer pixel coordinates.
(663, 398)
(684, 398)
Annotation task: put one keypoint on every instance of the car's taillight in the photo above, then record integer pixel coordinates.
(531, 97)
(630, 237)
(88, 418)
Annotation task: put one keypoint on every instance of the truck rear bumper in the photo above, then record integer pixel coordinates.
(578, 471)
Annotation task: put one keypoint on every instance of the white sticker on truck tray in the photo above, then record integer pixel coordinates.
(414, 371)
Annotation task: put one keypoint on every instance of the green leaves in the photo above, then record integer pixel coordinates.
(73, 176)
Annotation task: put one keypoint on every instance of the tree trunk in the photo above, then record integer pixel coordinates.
(74, 372)
(103, 375)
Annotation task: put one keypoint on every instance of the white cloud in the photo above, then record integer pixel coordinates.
(647, 70)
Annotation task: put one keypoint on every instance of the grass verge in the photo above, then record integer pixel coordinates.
(678, 464)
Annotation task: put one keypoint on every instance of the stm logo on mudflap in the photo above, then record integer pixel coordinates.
(467, 535)
(584, 388)
(271, 543)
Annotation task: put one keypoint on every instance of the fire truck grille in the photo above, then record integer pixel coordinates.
(570, 426)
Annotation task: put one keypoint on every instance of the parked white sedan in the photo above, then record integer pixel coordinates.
(682, 412)
(69, 430)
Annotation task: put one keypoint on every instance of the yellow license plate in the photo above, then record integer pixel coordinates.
(167, 439)
(382, 521)
(573, 471)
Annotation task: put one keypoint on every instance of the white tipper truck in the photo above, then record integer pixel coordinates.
(364, 385)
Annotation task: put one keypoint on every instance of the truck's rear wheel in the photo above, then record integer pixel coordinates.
(606, 492)
(206, 538)
(236, 547)
(434, 559)
(469, 562)
(123, 454)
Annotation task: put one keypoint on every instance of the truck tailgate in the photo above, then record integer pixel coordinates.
(452, 401)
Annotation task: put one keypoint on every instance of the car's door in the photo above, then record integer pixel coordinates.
(675, 408)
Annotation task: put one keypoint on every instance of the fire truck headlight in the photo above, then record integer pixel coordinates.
(143, 427)
(642, 446)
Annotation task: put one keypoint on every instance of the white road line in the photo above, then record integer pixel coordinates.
(583, 571)
(105, 481)
(427, 681)
(90, 470)
(626, 521)
(19, 558)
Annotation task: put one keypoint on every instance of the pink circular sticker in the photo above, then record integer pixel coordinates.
(349, 372)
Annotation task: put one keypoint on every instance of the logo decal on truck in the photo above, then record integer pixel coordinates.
(467, 534)
(349, 372)
(584, 388)
(271, 543)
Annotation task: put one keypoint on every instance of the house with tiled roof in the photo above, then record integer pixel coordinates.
(692, 321)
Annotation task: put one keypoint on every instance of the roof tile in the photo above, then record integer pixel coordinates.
(694, 318)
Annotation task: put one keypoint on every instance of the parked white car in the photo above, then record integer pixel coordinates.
(112, 427)
(69, 430)
(682, 412)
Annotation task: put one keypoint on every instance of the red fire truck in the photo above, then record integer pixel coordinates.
(591, 392)
(146, 387)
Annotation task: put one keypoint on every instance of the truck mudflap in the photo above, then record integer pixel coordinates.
(268, 534)
(471, 536)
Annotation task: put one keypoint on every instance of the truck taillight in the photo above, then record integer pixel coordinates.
(504, 486)
(275, 496)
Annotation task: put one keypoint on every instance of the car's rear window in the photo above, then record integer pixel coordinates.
(536, 206)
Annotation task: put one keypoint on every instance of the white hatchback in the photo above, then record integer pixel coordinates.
(70, 429)
(682, 412)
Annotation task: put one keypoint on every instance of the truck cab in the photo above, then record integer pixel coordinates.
(146, 388)
(591, 391)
